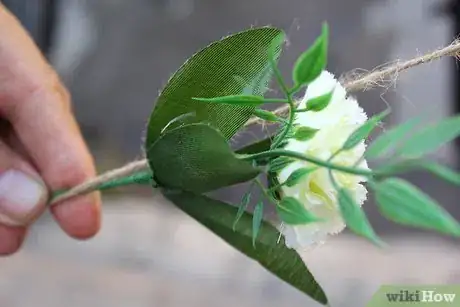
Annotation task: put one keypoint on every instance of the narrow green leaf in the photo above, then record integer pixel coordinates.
(242, 208)
(364, 130)
(257, 221)
(258, 146)
(312, 62)
(279, 163)
(197, 158)
(355, 218)
(431, 138)
(297, 175)
(304, 133)
(403, 203)
(292, 212)
(217, 70)
(388, 140)
(319, 103)
(435, 168)
(266, 115)
(285, 263)
(441, 171)
(241, 100)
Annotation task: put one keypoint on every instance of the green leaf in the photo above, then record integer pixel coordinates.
(431, 138)
(312, 62)
(292, 212)
(257, 221)
(364, 130)
(266, 115)
(242, 208)
(241, 100)
(197, 158)
(388, 140)
(304, 133)
(297, 175)
(285, 263)
(319, 103)
(403, 203)
(441, 171)
(258, 146)
(355, 218)
(279, 163)
(217, 70)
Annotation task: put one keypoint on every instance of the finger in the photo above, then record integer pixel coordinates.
(7, 135)
(23, 194)
(23, 198)
(34, 101)
(11, 239)
(76, 216)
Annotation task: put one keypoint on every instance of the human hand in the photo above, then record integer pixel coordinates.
(41, 148)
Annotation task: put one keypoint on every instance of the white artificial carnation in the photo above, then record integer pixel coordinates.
(315, 191)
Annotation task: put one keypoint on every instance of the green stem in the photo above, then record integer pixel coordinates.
(334, 183)
(302, 110)
(274, 188)
(297, 155)
(288, 93)
(295, 89)
(279, 77)
(335, 154)
(288, 126)
(359, 161)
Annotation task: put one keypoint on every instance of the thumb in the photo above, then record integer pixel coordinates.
(23, 195)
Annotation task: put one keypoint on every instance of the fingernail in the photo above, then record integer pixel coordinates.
(21, 197)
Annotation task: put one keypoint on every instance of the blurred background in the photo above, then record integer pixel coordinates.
(115, 56)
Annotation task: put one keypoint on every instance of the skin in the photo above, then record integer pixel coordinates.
(40, 137)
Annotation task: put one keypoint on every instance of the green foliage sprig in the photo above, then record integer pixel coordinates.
(212, 166)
